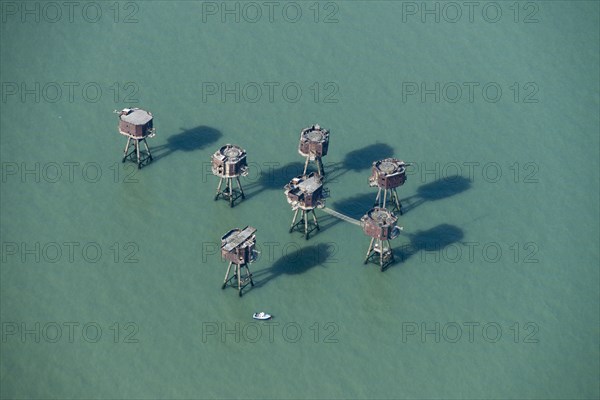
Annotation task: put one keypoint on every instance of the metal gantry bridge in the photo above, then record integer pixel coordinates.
(341, 216)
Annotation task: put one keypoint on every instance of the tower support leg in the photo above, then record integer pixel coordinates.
(315, 219)
(378, 197)
(306, 164)
(137, 152)
(229, 193)
(237, 178)
(369, 250)
(226, 276)
(147, 150)
(239, 278)
(320, 166)
(126, 149)
(389, 254)
(305, 218)
(294, 220)
(397, 200)
(381, 252)
(219, 188)
(249, 274)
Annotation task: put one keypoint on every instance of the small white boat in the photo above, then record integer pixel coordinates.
(261, 315)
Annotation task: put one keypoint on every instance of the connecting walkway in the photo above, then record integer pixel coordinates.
(341, 216)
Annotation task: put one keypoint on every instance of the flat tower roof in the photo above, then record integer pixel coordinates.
(238, 238)
(137, 117)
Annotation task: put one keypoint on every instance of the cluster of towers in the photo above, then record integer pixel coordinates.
(304, 193)
(380, 222)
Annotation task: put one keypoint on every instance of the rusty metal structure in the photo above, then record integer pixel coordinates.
(137, 125)
(305, 193)
(380, 225)
(314, 143)
(238, 246)
(387, 175)
(228, 163)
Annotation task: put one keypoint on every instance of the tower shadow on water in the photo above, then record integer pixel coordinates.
(271, 177)
(296, 262)
(358, 160)
(276, 177)
(354, 207)
(436, 190)
(433, 240)
(188, 140)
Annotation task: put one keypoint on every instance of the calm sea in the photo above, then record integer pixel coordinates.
(111, 277)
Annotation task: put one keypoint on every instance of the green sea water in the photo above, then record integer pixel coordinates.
(111, 279)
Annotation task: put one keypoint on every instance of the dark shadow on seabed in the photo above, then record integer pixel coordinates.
(193, 139)
(296, 262)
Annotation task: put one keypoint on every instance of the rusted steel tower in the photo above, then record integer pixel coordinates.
(314, 143)
(238, 247)
(305, 193)
(228, 163)
(387, 175)
(137, 125)
(380, 225)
